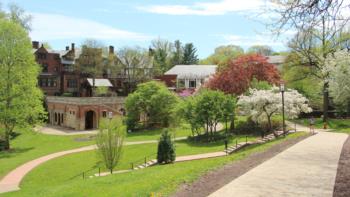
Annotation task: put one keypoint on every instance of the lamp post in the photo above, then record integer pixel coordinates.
(283, 122)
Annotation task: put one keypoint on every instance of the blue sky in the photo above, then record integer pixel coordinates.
(207, 24)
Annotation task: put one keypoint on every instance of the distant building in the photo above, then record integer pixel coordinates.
(188, 76)
(277, 60)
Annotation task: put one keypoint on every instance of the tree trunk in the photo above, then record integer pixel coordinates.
(232, 124)
(7, 141)
(325, 102)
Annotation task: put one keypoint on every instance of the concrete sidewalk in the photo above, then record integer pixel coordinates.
(306, 169)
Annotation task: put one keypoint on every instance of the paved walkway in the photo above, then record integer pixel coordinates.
(57, 130)
(306, 169)
(12, 180)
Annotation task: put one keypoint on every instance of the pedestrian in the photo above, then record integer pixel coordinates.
(312, 124)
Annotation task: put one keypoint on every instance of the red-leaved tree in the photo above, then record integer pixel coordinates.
(236, 78)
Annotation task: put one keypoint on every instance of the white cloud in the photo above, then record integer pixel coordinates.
(54, 26)
(247, 41)
(200, 8)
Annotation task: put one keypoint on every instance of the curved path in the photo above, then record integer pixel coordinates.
(308, 168)
(13, 179)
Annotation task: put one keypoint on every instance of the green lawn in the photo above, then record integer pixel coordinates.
(339, 125)
(162, 179)
(30, 145)
(71, 167)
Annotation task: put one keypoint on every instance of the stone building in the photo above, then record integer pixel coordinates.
(82, 113)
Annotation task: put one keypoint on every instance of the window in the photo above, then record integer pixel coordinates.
(72, 83)
(181, 83)
(47, 82)
(192, 83)
(41, 56)
(45, 68)
(68, 68)
(104, 114)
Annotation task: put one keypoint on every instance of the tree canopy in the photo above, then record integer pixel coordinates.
(152, 104)
(223, 54)
(189, 54)
(261, 50)
(237, 77)
(20, 98)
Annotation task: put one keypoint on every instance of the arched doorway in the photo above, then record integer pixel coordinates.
(90, 120)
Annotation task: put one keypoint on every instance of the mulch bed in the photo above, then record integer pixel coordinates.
(342, 181)
(216, 179)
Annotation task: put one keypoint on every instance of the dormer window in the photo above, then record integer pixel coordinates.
(45, 68)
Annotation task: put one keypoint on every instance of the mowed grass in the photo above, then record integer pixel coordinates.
(30, 145)
(161, 179)
(339, 125)
(71, 167)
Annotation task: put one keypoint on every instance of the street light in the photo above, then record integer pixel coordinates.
(282, 92)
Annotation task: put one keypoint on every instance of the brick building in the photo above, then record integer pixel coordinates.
(82, 113)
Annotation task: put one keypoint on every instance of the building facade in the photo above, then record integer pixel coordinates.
(82, 113)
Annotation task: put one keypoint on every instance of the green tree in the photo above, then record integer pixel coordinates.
(153, 103)
(161, 51)
(20, 98)
(177, 56)
(109, 141)
(261, 50)
(136, 64)
(91, 61)
(166, 149)
(207, 109)
(189, 54)
(222, 55)
(17, 15)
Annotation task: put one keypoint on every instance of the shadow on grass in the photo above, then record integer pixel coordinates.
(13, 152)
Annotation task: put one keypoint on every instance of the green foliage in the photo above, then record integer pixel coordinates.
(20, 98)
(207, 109)
(260, 85)
(101, 90)
(153, 103)
(189, 54)
(109, 141)
(303, 79)
(222, 55)
(261, 50)
(161, 52)
(250, 127)
(166, 149)
(177, 56)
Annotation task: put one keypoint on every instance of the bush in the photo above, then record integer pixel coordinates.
(250, 127)
(166, 149)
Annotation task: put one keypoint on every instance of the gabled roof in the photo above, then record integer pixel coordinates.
(100, 82)
(192, 71)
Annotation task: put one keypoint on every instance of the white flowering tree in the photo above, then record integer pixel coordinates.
(261, 105)
(338, 67)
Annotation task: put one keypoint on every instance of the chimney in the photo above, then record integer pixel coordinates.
(111, 49)
(67, 48)
(73, 46)
(35, 44)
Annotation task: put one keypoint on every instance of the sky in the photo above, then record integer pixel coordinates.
(207, 24)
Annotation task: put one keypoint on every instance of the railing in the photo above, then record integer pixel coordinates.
(142, 161)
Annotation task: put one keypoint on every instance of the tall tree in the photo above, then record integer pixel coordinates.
(161, 51)
(177, 56)
(17, 15)
(222, 55)
(91, 61)
(261, 50)
(20, 98)
(189, 54)
(319, 24)
(136, 64)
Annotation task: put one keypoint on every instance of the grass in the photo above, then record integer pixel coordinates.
(162, 180)
(70, 167)
(339, 125)
(30, 145)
